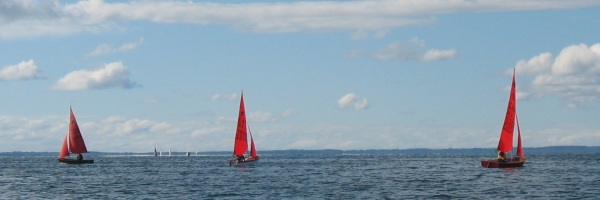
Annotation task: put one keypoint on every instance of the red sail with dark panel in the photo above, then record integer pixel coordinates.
(241, 139)
(506, 137)
(76, 143)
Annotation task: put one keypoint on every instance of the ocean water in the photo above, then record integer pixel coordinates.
(400, 176)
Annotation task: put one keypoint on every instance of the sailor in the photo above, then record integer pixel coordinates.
(501, 156)
(241, 158)
(79, 157)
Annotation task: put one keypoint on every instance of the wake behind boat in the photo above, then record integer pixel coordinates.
(506, 137)
(240, 146)
(73, 144)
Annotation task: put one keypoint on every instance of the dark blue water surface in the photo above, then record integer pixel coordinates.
(398, 176)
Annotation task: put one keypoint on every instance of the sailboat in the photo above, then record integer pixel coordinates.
(73, 144)
(505, 144)
(240, 146)
(155, 152)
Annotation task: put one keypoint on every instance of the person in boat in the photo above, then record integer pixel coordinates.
(79, 157)
(241, 158)
(501, 156)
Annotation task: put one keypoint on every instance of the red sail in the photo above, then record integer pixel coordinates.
(76, 143)
(241, 139)
(64, 150)
(519, 146)
(252, 148)
(506, 137)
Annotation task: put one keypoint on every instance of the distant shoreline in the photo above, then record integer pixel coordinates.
(467, 151)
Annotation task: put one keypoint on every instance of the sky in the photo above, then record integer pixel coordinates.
(315, 74)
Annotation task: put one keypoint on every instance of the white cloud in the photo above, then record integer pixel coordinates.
(104, 49)
(363, 34)
(436, 54)
(361, 104)
(535, 65)
(206, 131)
(405, 50)
(573, 75)
(25, 70)
(261, 116)
(288, 113)
(123, 134)
(347, 100)
(224, 97)
(30, 18)
(255, 116)
(352, 100)
(38, 18)
(101, 50)
(124, 126)
(112, 75)
(412, 50)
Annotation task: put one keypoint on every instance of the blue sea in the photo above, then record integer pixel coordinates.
(312, 176)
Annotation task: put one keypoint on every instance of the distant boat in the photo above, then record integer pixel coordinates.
(506, 137)
(155, 152)
(240, 146)
(73, 144)
(169, 151)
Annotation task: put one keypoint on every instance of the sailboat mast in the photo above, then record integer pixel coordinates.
(69, 131)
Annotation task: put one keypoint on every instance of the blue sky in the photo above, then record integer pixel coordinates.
(315, 74)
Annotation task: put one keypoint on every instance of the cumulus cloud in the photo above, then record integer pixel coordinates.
(104, 49)
(35, 18)
(573, 75)
(25, 70)
(412, 50)
(112, 75)
(352, 100)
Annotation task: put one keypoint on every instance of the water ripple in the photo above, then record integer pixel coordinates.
(301, 177)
